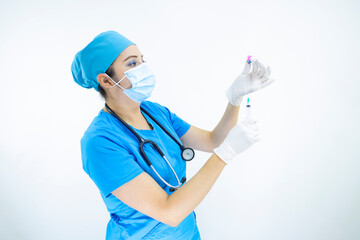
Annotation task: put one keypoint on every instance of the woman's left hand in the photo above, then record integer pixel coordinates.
(249, 81)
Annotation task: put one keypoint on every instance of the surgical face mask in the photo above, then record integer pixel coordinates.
(142, 80)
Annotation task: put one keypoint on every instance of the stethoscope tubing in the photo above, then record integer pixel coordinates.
(144, 141)
(162, 127)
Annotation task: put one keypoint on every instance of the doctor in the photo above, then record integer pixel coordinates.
(143, 185)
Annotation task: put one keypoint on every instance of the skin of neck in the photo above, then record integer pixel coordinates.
(124, 107)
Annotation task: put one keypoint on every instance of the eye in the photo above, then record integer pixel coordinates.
(132, 63)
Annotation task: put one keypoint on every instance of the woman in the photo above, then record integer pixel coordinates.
(148, 200)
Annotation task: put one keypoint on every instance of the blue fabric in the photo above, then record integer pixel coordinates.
(97, 57)
(111, 157)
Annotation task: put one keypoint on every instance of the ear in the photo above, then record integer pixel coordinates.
(104, 80)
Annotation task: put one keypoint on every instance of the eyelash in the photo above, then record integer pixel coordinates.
(131, 63)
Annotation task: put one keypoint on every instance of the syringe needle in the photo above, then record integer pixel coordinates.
(248, 110)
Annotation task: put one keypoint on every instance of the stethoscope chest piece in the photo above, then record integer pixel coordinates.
(187, 154)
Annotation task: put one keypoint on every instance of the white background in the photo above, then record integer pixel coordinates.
(301, 181)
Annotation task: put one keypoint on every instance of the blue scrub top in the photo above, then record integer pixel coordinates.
(111, 157)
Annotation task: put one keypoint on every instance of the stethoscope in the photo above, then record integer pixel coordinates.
(187, 154)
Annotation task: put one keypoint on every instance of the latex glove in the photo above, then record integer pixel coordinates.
(249, 81)
(240, 137)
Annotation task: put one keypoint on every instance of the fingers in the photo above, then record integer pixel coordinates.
(253, 134)
(247, 130)
(255, 67)
(262, 69)
(263, 73)
(266, 76)
(259, 69)
(267, 82)
(251, 127)
(247, 69)
(255, 139)
(255, 126)
(250, 121)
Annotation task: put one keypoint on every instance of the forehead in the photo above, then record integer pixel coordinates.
(130, 50)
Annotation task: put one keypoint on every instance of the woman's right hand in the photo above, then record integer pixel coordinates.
(240, 137)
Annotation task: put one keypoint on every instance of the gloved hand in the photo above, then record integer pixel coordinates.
(240, 137)
(249, 81)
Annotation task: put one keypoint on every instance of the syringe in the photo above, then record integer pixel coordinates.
(248, 110)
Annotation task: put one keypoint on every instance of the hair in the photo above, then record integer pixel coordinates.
(110, 73)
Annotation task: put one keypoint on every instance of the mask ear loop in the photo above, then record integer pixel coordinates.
(116, 83)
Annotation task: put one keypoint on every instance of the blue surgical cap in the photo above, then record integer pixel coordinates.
(97, 57)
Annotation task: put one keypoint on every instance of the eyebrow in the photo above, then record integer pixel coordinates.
(132, 56)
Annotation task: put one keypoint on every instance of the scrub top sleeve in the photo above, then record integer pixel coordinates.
(180, 125)
(108, 164)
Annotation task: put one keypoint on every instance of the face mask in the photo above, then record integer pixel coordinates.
(142, 80)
